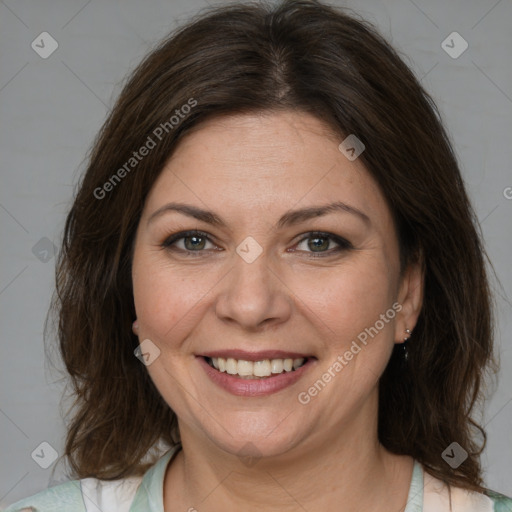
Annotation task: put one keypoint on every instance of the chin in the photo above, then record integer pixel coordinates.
(270, 440)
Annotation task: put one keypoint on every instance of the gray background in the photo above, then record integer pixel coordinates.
(52, 108)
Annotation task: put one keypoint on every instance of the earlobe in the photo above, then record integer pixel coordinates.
(135, 328)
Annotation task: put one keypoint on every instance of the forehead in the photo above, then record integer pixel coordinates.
(264, 163)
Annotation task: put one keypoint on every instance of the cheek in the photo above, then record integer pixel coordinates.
(166, 299)
(349, 300)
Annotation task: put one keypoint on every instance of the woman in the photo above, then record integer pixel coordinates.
(271, 272)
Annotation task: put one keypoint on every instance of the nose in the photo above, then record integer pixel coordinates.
(253, 295)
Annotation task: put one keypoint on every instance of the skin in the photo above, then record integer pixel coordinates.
(325, 455)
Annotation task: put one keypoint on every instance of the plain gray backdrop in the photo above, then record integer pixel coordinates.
(52, 107)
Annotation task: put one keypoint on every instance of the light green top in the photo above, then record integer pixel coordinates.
(145, 494)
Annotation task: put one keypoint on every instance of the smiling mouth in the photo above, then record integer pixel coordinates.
(255, 369)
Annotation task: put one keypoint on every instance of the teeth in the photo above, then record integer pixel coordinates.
(250, 369)
(276, 365)
(245, 368)
(297, 363)
(262, 368)
(231, 366)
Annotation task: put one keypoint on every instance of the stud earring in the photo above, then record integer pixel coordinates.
(408, 332)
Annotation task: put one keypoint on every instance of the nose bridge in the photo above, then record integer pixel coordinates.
(252, 293)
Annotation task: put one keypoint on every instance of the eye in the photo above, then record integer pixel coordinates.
(193, 241)
(319, 244)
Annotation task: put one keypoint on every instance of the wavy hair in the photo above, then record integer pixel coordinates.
(304, 56)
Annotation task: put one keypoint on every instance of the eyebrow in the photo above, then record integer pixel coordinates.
(290, 218)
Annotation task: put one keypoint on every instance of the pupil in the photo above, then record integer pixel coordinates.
(194, 245)
(317, 245)
(195, 242)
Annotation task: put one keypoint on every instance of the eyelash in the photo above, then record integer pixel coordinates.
(343, 244)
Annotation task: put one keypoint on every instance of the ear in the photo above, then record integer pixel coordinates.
(410, 297)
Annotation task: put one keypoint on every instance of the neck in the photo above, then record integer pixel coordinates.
(351, 472)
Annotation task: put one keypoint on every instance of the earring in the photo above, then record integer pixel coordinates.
(135, 328)
(404, 345)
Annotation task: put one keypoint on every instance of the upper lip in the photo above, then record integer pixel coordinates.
(254, 356)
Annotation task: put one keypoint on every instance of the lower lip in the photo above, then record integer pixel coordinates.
(254, 387)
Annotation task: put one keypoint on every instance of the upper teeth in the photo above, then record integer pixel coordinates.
(262, 368)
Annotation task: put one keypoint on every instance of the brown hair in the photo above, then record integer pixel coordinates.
(303, 56)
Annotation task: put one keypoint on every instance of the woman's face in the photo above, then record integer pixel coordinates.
(257, 285)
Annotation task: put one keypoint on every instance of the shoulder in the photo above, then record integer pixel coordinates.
(437, 497)
(501, 502)
(94, 495)
(66, 496)
(86, 495)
